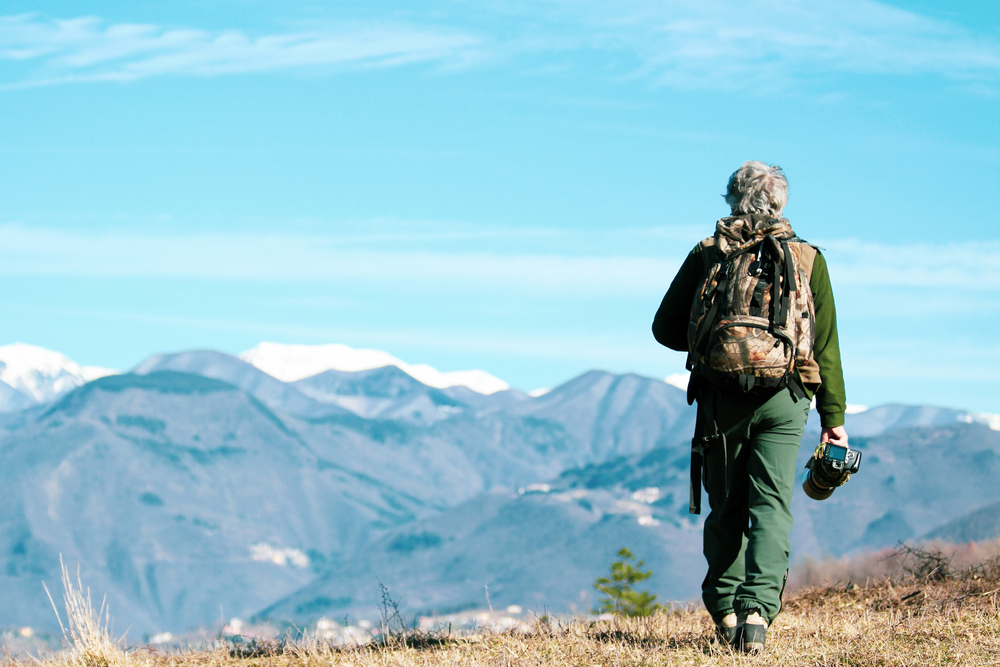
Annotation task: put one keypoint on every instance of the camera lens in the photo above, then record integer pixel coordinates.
(814, 489)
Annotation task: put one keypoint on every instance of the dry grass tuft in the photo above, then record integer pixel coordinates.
(86, 631)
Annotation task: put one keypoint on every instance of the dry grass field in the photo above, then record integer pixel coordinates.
(930, 612)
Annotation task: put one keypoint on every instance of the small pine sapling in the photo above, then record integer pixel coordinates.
(620, 596)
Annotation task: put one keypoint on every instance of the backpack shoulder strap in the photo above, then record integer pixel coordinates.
(807, 256)
(709, 253)
(808, 370)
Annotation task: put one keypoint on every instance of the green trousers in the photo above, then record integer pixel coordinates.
(746, 533)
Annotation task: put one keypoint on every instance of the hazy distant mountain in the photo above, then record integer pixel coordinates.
(980, 524)
(178, 492)
(386, 393)
(541, 551)
(891, 417)
(499, 400)
(540, 548)
(274, 393)
(609, 415)
(39, 376)
(201, 480)
(911, 481)
(12, 400)
(295, 362)
(175, 493)
(550, 542)
(519, 440)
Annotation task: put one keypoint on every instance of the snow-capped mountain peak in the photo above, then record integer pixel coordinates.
(289, 363)
(43, 374)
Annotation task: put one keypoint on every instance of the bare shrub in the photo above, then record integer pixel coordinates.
(935, 559)
(859, 569)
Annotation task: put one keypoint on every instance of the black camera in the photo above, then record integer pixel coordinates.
(830, 466)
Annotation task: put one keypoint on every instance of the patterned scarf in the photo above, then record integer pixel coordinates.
(737, 232)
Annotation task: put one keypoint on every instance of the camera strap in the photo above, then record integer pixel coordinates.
(701, 443)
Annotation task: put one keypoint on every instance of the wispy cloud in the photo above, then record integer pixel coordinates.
(768, 44)
(575, 345)
(268, 257)
(91, 49)
(895, 301)
(907, 358)
(608, 265)
(961, 267)
(760, 45)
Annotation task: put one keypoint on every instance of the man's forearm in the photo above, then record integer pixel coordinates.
(831, 397)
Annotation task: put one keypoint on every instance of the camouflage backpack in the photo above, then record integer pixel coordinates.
(752, 317)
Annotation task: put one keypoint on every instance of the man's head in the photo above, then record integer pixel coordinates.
(757, 188)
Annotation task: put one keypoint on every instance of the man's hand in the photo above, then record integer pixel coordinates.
(836, 435)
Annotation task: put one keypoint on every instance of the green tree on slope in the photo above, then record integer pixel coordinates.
(620, 596)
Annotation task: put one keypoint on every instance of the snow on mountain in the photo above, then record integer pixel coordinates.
(43, 375)
(679, 380)
(296, 362)
(990, 420)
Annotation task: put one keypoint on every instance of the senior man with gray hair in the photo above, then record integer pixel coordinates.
(753, 308)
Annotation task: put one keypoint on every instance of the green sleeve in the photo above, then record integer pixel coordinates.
(831, 398)
(670, 325)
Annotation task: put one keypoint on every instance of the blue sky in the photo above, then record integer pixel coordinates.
(506, 185)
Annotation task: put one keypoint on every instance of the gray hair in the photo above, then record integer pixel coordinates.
(757, 188)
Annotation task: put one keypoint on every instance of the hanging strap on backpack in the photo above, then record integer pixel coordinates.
(697, 464)
(700, 445)
(782, 295)
(718, 295)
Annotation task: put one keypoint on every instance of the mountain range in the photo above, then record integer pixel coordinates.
(198, 480)
(31, 375)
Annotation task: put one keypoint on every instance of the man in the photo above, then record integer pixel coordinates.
(752, 426)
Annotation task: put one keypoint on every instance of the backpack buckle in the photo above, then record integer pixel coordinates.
(756, 267)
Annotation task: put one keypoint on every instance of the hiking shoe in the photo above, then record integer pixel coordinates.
(752, 631)
(725, 627)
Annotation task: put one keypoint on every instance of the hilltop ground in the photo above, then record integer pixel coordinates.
(929, 612)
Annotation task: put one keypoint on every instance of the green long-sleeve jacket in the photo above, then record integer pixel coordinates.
(670, 328)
